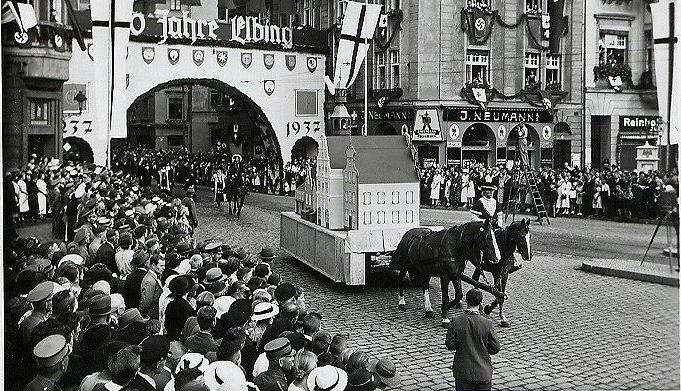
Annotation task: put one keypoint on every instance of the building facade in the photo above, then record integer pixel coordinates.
(621, 101)
(461, 76)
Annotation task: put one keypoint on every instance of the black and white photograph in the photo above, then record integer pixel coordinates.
(340, 195)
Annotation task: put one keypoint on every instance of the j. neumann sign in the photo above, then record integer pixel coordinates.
(242, 29)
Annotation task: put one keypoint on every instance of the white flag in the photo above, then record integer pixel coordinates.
(119, 120)
(23, 13)
(667, 13)
(359, 25)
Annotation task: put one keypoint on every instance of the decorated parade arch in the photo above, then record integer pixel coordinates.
(277, 71)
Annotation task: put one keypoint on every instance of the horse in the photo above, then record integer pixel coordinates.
(515, 237)
(425, 254)
(236, 192)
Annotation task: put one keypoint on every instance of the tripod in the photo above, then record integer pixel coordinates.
(671, 217)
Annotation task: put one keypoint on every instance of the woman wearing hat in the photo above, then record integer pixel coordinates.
(178, 309)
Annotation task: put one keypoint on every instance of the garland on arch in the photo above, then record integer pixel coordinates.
(481, 94)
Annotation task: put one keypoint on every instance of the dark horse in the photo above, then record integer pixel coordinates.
(236, 192)
(515, 237)
(425, 254)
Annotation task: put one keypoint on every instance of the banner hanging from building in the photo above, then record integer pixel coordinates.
(556, 24)
(667, 37)
(359, 25)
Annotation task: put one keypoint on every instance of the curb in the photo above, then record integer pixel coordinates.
(655, 278)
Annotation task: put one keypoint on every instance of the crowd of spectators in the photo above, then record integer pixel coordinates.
(607, 192)
(125, 297)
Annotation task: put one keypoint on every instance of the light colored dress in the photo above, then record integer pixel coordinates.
(435, 187)
(564, 188)
(464, 188)
(23, 196)
(42, 196)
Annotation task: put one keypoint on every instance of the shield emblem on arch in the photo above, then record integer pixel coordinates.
(148, 54)
(290, 61)
(268, 60)
(221, 58)
(173, 56)
(311, 64)
(197, 56)
(246, 59)
(269, 87)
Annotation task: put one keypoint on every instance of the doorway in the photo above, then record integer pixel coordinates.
(600, 139)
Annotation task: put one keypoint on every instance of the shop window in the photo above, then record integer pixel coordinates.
(477, 67)
(381, 197)
(367, 198)
(394, 68)
(175, 109)
(381, 217)
(553, 70)
(410, 197)
(613, 48)
(409, 216)
(379, 80)
(396, 216)
(367, 217)
(531, 69)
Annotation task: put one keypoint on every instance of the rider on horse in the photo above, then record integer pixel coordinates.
(487, 207)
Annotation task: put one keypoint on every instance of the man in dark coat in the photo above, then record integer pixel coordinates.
(132, 288)
(473, 338)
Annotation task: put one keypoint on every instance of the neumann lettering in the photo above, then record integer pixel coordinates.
(248, 29)
(186, 27)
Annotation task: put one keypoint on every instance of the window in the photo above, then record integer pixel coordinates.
(176, 140)
(396, 216)
(532, 69)
(394, 68)
(175, 109)
(533, 6)
(379, 82)
(409, 216)
(308, 13)
(214, 100)
(39, 112)
(650, 58)
(410, 197)
(381, 197)
(552, 70)
(381, 217)
(396, 197)
(175, 5)
(367, 198)
(477, 67)
(367, 217)
(612, 48)
(389, 5)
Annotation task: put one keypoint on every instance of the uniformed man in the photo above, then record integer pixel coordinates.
(215, 250)
(51, 359)
(219, 181)
(280, 356)
(487, 207)
(41, 299)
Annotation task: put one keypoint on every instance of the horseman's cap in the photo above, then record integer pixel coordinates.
(488, 186)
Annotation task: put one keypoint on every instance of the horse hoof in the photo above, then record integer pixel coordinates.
(429, 314)
(401, 307)
(504, 324)
(488, 309)
(446, 322)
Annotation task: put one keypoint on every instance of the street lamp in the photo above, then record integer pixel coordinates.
(80, 98)
(340, 113)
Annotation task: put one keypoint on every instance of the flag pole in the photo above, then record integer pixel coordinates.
(365, 132)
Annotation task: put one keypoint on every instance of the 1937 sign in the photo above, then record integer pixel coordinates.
(302, 128)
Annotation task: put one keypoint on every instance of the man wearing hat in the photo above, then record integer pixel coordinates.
(487, 207)
(386, 372)
(132, 288)
(51, 359)
(41, 299)
(267, 254)
(155, 349)
(473, 338)
(280, 356)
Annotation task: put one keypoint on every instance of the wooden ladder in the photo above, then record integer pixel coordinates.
(521, 172)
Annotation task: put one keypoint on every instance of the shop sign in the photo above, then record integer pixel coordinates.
(427, 126)
(391, 115)
(470, 114)
(639, 123)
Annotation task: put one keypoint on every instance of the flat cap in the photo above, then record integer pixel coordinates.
(277, 348)
(154, 348)
(50, 351)
(41, 292)
(213, 247)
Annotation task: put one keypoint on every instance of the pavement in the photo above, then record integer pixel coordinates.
(569, 329)
(634, 270)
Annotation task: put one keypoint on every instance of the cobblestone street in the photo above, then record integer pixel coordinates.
(569, 329)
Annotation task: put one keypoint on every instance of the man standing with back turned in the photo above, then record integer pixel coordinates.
(473, 337)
